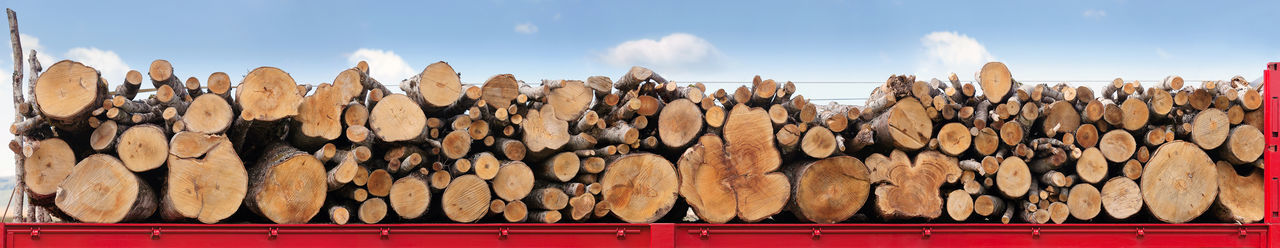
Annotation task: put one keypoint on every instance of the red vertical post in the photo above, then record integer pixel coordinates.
(662, 235)
(1271, 129)
(1271, 121)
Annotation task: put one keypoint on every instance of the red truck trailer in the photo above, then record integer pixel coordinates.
(1266, 234)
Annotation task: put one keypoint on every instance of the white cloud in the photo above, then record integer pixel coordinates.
(947, 52)
(32, 43)
(1163, 54)
(106, 61)
(526, 28)
(384, 65)
(676, 52)
(1095, 13)
(556, 17)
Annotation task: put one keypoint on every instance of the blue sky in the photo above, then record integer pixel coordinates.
(683, 40)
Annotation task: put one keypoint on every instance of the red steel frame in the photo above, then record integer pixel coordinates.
(1266, 234)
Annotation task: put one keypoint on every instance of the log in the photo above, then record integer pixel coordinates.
(1060, 117)
(286, 186)
(49, 163)
(219, 84)
(1179, 182)
(910, 190)
(996, 82)
(746, 184)
(640, 172)
(379, 183)
(545, 216)
(513, 181)
(515, 212)
(275, 96)
(988, 205)
(1209, 128)
(319, 118)
(143, 147)
(1240, 198)
(1117, 145)
(66, 94)
(580, 207)
(161, 72)
(561, 167)
(1121, 198)
(543, 133)
(101, 190)
(954, 139)
(397, 119)
(904, 126)
(103, 138)
(986, 142)
(679, 124)
(129, 88)
(207, 180)
(435, 88)
(209, 114)
(1013, 178)
(829, 190)
(1241, 146)
(1085, 201)
(410, 196)
(1136, 114)
(338, 214)
(500, 90)
(372, 210)
(571, 97)
(1091, 166)
(547, 197)
(818, 142)
(636, 75)
(959, 205)
(485, 165)
(466, 199)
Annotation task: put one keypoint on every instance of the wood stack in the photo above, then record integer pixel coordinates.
(435, 149)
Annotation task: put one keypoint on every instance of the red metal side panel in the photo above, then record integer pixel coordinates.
(319, 235)
(971, 235)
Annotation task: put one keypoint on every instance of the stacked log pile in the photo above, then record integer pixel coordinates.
(637, 148)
